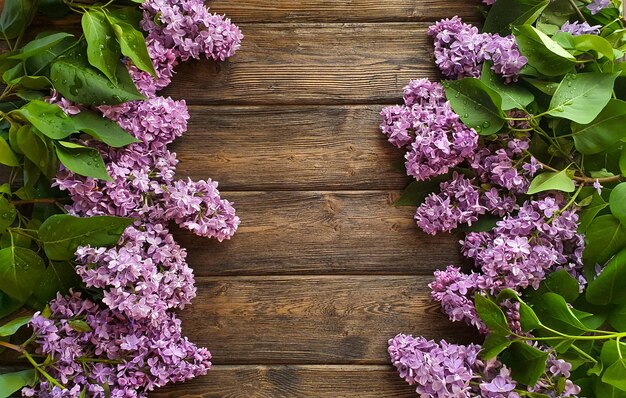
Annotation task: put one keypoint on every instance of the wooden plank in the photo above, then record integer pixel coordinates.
(289, 148)
(312, 64)
(311, 320)
(344, 11)
(320, 381)
(321, 233)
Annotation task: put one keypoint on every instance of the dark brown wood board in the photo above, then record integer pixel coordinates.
(324, 269)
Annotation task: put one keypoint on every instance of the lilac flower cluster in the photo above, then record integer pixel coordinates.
(461, 50)
(443, 370)
(179, 30)
(426, 126)
(497, 181)
(93, 346)
(517, 254)
(129, 339)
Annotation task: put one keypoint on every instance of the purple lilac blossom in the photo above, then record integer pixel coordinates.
(133, 341)
(576, 28)
(135, 357)
(443, 370)
(507, 257)
(426, 126)
(598, 5)
(180, 30)
(460, 50)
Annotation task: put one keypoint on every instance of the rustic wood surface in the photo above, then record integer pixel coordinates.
(324, 269)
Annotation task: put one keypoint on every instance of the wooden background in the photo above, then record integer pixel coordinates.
(323, 270)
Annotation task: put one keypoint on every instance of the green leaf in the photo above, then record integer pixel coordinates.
(415, 193)
(543, 53)
(526, 362)
(133, 45)
(16, 16)
(622, 161)
(61, 234)
(610, 286)
(561, 283)
(493, 345)
(617, 202)
(7, 156)
(130, 15)
(595, 44)
(39, 45)
(491, 314)
(8, 305)
(554, 313)
(479, 106)
(38, 150)
(604, 131)
(48, 118)
(609, 353)
(102, 129)
(7, 213)
(59, 277)
(551, 181)
(582, 96)
(20, 269)
(79, 326)
(72, 78)
(514, 96)
(82, 160)
(36, 64)
(32, 83)
(506, 13)
(528, 317)
(12, 382)
(605, 237)
(617, 318)
(605, 390)
(11, 327)
(545, 87)
(615, 375)
(102, 51)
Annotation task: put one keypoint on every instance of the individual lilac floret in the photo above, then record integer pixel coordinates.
(576, 28)
(598, 5)
(133, 357)
(489, 2)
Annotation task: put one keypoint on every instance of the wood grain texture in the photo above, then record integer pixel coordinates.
(322, 233)
(311, 319)
(320, 381)
(289, 148)
(344, 11)
(312, 64)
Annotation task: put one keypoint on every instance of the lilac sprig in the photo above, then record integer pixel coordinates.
(461, 50)
(128, 338)
(443, 370)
